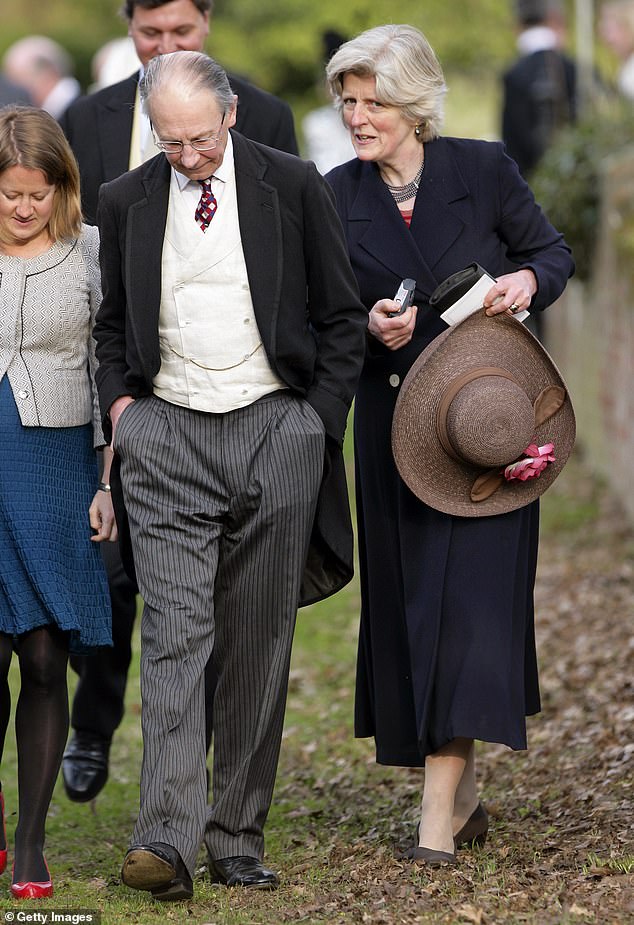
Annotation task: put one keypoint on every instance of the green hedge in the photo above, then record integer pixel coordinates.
(567, 181)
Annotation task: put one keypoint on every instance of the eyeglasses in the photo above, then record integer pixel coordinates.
(208, 143)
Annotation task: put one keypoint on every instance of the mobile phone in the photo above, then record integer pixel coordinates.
(404, 296)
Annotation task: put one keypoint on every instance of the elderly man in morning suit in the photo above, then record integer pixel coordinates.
(230, 340)
(109, 133)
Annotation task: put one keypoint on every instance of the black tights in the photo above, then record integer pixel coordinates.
(41, 727)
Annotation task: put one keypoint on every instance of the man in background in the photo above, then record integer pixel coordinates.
(539, 90)
(110, 134)
(11, 93)
(45, 70)
(327, 139)
(107, 130)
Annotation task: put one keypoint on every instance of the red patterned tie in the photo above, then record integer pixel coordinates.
(207, 206)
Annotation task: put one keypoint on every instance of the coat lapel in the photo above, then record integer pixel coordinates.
(145, 231)
(386, 237)
(444, 194)
(114, 125)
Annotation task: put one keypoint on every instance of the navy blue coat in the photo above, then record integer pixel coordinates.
(447, 644)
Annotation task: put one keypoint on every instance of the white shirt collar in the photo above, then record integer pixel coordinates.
(62, 95)
(537, 38)
(222, 173)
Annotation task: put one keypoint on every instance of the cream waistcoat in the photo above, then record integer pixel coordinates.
(212, 357)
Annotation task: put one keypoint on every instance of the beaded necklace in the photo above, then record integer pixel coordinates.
(403, 193)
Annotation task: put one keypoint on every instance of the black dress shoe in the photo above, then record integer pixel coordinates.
(475, 829)
(242, 871)
(158, 868)
(431, 858)
(473, 832)
(85, 766)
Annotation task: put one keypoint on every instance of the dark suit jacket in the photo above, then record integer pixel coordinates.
(99, 127)
(13, 95)
(305, 299)
(539, 96)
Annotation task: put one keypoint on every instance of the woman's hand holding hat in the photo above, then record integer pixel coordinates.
(512, 292)
(393, 332)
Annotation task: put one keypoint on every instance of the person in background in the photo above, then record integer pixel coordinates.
(446, 648)
(109, 134)
(12, 93)
(108, 131)
(539, 91)
(616, 29)
(326, 139)
(45, 69)
(227, 429)
(113, 62)
(53, 588)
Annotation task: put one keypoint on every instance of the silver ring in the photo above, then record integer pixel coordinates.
(514, 308)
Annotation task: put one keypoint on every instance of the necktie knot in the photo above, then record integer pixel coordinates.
(207, 205)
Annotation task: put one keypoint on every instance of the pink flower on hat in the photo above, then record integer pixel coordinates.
(535, 461)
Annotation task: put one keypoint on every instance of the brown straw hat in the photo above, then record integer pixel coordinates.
(477, 398)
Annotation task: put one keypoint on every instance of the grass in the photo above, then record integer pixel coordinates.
(624, 865)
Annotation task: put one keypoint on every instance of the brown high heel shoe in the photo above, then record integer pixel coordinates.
(475, 829)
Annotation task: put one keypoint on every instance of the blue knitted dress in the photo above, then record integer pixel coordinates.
(50, 571)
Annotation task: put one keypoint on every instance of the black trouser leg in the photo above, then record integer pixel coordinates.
(99, 699)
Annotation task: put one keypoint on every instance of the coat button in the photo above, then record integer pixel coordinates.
(394, 380)
(23, 394)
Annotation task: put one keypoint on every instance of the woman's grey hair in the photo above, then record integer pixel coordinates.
(407, 73)
(191, 72)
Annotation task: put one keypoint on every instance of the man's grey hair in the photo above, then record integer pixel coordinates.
(191, 72)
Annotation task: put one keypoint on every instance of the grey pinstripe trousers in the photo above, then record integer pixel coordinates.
(221, 508)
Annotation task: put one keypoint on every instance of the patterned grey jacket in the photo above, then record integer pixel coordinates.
(48, 305)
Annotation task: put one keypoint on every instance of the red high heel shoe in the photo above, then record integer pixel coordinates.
(3, 851)
(33, 889)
